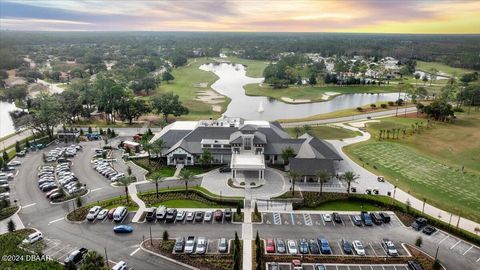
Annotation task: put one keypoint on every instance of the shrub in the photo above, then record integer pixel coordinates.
(165, 235)
(359, 109)
(436, 265)
(391, 103)
(11, 226)
(383, 105)
(419, 241)
(373, 106)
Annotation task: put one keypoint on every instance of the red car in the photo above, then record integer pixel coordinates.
(110, 213)
(270, 246)
(218, 215)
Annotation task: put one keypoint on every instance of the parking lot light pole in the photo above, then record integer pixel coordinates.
(151, 241)
(106, 257)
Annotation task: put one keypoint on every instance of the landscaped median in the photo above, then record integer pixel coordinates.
(210, 261)
(7, 212)
(315, 201)
(80, 214)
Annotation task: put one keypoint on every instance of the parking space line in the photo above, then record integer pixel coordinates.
(467, 250)
(444, 239)
(456, 244)
(478, 260)
(370, 244)
(96, 189)
(293, 219)
(135, 251)
(351, 220)
(56, 220)
(28, 205)
(340, 246)
(323, 221)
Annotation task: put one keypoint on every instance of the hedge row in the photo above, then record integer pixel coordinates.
(193, 194)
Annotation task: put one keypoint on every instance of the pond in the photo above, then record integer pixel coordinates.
(232, 78)
(6, 122)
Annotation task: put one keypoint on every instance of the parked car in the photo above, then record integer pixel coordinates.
(389, 247)
(179, 244)
(347, 247)
(414, 265)
(296, 265)
(161, 212)
(385, 217)
(102, 214)
(190, 216)
(33, 237)
(270, 245)
(303, 246)
(208, 216)
(223, 245)
(336, 217)
(358, 247)
(218, 215)
(380, 178)
(121, 265)
(201, 245)
(190, 244)
(367, 220)
(120, 213)
(225, 169)
(281, 247)
(151, 214)
(313, 246)
(171, 215)
(319, 266)
(228, 214)
(419, 223)
(198, 216)
(376, 218)
(56, 195)
(324, 245)
(429, 230)
(93, 212)
(122, 229)
(180, 216)
(292, 247)
(76, 256)
(327, 217)
(273, 266)
(110, 213)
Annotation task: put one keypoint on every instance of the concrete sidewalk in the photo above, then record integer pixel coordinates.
(132, 192)
(16, 219)
(247, 237)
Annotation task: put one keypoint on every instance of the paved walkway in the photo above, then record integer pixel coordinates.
(369, 180)
(247, 237)
(16, 219)
(178, 169)
(350, 118)
(132, 192)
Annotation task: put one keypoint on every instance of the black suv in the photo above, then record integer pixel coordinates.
(179, 244)
(228, 214)
(337, 218)
(419, 223)
(151, 214)
(225, 169)
(171, 215)
(76, 256)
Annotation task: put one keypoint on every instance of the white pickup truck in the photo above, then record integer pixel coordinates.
(190, 244)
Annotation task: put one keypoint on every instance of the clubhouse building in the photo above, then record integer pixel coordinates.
(247, 147)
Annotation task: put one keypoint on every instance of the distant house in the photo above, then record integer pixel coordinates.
(245, 146)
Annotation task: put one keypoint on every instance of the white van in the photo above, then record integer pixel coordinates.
(121, 265)
(33, 237)
(161, 212)
(120, 213)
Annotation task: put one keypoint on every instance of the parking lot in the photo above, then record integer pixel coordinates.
(57, 250)
(309, 266)
(454, 245)
(307, 219)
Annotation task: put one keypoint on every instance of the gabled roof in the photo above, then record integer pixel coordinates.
(315, 148)
(310, 166)
(259, 138)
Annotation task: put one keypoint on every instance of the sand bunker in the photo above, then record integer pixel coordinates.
(328, 95)
(289, 100)
(202, 85)
(210, 97)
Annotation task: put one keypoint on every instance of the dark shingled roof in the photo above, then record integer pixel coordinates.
(172, 136)
(325, 149)
(309, 166)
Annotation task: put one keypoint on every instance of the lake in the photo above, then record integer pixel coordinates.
(232, 78)
(6, 122)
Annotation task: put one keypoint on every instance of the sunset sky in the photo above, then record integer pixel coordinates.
(361, 16)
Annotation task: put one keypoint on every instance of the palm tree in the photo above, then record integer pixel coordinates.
(307, 128)
(287, 153)
(297, 131)
(147, 146)
(124, 182)
(293, 177)
(93, 260)
(156, 148)
(186, 175)
(323, 176)
(349, 177)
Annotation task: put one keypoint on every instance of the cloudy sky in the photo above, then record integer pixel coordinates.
(364, 16)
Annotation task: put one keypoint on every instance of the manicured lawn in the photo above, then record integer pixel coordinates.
(314, 94)
(346, 206)
(188, 204)
(254, 67)
(328, 132)
(184, 85)
(344, 113)
(426, 66)
(429, 164)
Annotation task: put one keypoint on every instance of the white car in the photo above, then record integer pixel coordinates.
(208, 216)
(358, 247)
(202, 245)
(121, 265)
(14, 163)
(292, 247)
(92, 214)
(33, 237)
(327, 217)
(102, 214)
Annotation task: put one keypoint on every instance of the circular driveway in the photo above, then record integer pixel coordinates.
(275, 184)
